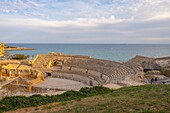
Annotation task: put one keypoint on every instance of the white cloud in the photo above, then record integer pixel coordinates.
(94, 21)
(90, 9)
(157, 39)
(81, 31)
(7, 20)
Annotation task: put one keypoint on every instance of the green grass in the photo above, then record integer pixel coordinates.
(137, 99)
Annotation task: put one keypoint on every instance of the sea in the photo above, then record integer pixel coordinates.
(114, 52)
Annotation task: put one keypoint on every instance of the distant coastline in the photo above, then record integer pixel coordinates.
(12, 48)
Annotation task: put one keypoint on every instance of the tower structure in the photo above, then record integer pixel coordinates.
(2, 50)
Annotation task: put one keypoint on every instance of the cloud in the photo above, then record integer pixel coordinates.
(6, 20)
(72, 9)
(81, 31)
(157, 39)
(85, 21)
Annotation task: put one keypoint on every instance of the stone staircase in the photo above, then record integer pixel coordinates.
(41, 60)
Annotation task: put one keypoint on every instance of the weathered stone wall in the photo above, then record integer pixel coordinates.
(75, 77)
(166, 72)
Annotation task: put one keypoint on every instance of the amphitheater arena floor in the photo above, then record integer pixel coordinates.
(61, 84)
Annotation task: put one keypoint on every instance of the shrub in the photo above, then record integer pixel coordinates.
(20, 57)
(15, 102)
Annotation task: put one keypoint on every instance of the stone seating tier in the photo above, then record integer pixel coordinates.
(77, 77)
(110, 70)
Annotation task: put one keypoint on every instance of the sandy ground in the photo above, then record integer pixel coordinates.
(113, 86)
(61, 84)
(52, 83)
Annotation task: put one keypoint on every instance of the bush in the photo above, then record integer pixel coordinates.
(13, 103)
(20, 57)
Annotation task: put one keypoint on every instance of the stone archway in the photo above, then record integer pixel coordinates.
(48, 74)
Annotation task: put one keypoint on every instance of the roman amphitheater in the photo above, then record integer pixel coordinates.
(56, 72)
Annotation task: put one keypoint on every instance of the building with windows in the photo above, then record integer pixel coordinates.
(2, 51)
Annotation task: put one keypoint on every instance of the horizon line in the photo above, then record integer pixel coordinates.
(89, 43)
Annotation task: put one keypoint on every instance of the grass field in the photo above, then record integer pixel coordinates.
(138, 99)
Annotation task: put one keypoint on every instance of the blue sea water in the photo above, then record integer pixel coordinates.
(115, 52)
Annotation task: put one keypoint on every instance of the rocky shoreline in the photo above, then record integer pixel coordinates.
(8, 48)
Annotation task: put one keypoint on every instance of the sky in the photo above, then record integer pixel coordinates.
(85, 21)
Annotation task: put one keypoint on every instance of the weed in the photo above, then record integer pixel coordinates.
(78, 99)
(110, 111)
(152, 103)
(48, 107)
(161, 111)
(63, 103)
(142, 102)
(36, 109)
(147, 111)
(77, 110)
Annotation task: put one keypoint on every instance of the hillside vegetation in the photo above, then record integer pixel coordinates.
(145, 99)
